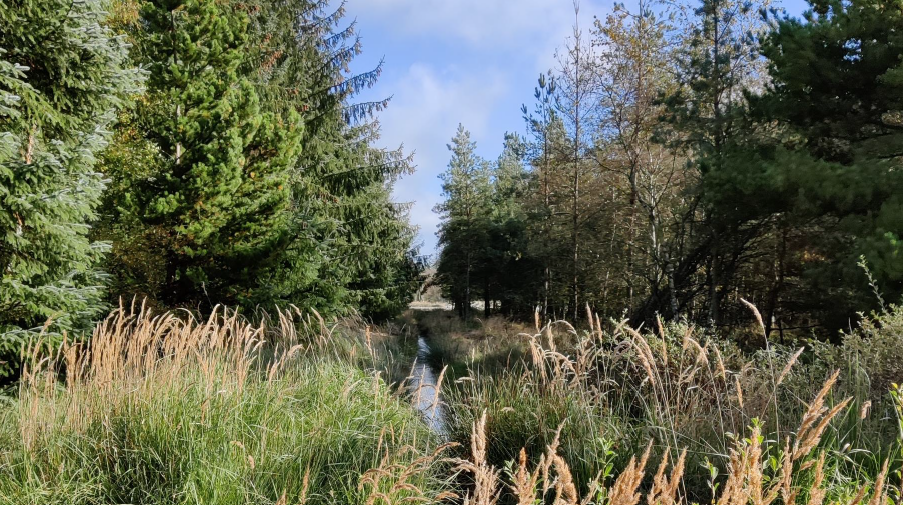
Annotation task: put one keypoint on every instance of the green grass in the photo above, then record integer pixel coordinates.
(609, 406)
(521, 413)
(173, 411)
(183, 442)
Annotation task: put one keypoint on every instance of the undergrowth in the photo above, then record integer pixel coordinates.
(166, 410)
(601, 396)
(170, 409)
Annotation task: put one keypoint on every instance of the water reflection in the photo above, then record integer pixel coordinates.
(424, 379)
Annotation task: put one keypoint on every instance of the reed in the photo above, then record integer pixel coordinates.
(601, 396)
(165, 409)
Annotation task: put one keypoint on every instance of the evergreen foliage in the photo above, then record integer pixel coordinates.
(247, 176)
(679, 159)
(834, 155)
(353, 246)
(464, 234)
(63, 74)
(211, 202)
(694, 156)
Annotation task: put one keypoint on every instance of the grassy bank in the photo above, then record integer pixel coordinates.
(477, 345)
(603, 396)
(160, 410)
(295, 410)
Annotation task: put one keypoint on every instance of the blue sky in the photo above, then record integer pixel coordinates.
(459, 61)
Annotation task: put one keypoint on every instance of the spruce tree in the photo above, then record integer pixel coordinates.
(63, 74)
(352, 245)
(212, 197)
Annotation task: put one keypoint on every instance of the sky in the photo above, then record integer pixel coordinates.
(473, 62)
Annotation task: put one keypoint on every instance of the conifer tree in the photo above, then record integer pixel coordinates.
(513, 274)
(827, 165)
(510, 176)
(63, 74)
(717, 64)
(463, 232)
(212, 197)
(576, 105)
(541, 125)
(353, 246)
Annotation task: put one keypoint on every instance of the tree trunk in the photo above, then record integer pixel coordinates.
(778, 284)
(714, 281)
(465, 313)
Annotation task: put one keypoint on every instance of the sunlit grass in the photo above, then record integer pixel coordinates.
(164, 410)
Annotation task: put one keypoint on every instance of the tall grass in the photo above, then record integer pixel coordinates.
(601, 396)
(489, 345)
(760, 472)
(168, 409)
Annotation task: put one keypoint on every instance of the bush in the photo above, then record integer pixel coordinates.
(872, 354)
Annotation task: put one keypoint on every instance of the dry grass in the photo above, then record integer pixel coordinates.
(493, 343)
(798, 478)
(678, 391)
(166, 409)
(171, 409)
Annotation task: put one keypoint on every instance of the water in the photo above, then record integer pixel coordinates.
(423, 384)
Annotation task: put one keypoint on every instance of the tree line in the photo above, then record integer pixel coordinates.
(682, 158)
(190, 153)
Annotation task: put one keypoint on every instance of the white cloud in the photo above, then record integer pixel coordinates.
(467, 61)
(424, 115)
(505, 22)
(528, 30)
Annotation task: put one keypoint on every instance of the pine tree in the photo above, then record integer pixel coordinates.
(541, 125)
(576, 105)
(463, 232)
(211, 197)
(717, 65)
(513, 274)
(829, 159)
(63, 74)
(804, 177)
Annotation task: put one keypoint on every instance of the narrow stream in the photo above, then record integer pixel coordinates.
(423, 384)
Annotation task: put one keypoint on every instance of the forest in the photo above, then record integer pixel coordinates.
(678, 284)
(192, 154)
(680, 160)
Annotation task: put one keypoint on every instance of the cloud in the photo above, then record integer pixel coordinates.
(505, 22)
(457, 61)
(528, 30)
(428, 105)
